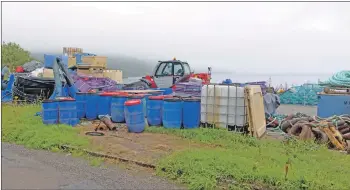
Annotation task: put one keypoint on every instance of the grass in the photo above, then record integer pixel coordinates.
(246, 163)
(21, 126)
(232, 162)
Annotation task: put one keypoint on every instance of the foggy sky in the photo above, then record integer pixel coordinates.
(232, 37)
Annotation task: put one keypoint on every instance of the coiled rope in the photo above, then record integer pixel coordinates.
(340, 79)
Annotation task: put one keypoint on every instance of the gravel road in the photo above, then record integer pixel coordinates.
(36, 169)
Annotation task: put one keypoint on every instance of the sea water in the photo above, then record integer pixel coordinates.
(276, 79)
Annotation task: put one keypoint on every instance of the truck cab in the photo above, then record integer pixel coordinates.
(167, 73)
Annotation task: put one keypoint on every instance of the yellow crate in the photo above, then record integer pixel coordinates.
(116, 75)
(95, 61)
(72, 61)
(91, 72)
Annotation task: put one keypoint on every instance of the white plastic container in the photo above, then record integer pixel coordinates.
(223, 105)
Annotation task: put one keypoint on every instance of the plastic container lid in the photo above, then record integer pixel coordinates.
(156, 97)
(132, 102)
(121, 94)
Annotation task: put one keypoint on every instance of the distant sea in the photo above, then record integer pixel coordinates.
(276, 79)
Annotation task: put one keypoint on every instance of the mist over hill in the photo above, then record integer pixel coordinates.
(131, 67)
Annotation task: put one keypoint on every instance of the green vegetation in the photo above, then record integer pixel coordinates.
(21, 126)
(14, 55)
(239, 162)
(28, 130)
(226, 160)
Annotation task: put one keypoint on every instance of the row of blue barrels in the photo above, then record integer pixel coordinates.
(91, 105)
(62, 111)
(173, 112)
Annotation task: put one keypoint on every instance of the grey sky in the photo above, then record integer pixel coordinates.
(255, 37)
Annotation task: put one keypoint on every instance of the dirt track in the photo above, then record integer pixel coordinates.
(145, 147)
(288, 109)
(34, 169)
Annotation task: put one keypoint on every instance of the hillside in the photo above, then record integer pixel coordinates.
(131, 67)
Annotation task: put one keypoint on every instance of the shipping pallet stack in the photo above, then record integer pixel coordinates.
(90, 64)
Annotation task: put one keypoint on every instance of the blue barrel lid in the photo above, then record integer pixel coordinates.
(132, 102)
(156, 97)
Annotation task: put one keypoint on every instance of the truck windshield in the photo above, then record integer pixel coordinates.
(187, 69)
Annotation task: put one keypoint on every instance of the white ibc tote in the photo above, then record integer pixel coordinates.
(223, 105)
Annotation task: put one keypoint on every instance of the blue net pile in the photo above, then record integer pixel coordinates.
(301, 95)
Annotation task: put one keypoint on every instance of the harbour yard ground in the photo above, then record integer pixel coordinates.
(198, 159)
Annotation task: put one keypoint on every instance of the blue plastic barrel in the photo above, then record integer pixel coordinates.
(81, 107)
(154, 110)
(104, 104)
(172, 113)
(91, 105)
(117, 108)
(50, 112)
(140, 97)
(67, 111)
(134, 116)
(191, 113)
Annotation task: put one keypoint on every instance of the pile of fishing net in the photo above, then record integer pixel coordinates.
(340, 79)
(303, 95)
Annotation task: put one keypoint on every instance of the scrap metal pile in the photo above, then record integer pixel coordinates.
(334, 130)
